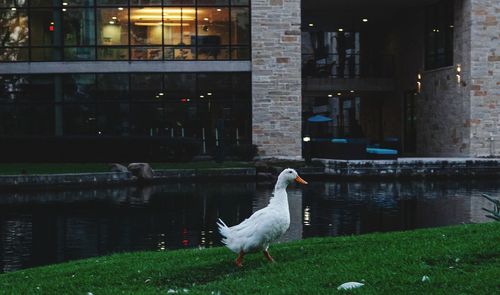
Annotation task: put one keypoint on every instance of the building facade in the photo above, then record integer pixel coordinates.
(124, 78)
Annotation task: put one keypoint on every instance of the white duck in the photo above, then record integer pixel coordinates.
(265, 225)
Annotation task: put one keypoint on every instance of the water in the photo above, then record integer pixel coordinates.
(39, 228)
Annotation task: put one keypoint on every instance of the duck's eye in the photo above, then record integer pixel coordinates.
(289, 171)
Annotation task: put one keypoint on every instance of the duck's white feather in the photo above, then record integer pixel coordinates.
(263, 227)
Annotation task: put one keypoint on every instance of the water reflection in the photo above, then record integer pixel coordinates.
(48, 227)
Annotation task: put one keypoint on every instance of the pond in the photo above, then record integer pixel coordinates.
(46, 227)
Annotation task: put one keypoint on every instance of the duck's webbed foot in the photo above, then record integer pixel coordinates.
(268, 256)
(239, 260)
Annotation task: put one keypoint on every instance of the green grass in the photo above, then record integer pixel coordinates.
(458, 260)
(55, 168)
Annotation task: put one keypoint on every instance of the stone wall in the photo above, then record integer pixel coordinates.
(485, 77)
(276, 77)
(443, 107)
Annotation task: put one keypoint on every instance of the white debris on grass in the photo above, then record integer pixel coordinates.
(350, 285)
(425, 279)
(171, 291)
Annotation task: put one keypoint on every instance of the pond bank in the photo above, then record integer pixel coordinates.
(328, 169)
(459, 259)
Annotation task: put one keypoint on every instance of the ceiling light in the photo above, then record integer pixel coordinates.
(341, 30)
(352, 91)
(13, 8)
(206, 19)
(311, 25)
(114, 17)
(64, 9)
(330, 95)
(120, 8)
(111, 22)
(365, 20)
(65, 3)
(202, 96)
(452, 26)
(339, 93)
(218, 9)
(209, 93)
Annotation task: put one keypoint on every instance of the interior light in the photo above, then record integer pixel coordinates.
(114, 17)
(311, 25)
(209, 93)
(64, 9)
(341, 30)
(352, 91)
(339, 94)
(120, 8)
(306, 139)
(161, 93)
(202, 96)
(218, 9)
(206, 19)
(13, 8)
(330, 95)
(452, 26)
(365, 20)
(51, 23)
(65, 3)
(111, 22)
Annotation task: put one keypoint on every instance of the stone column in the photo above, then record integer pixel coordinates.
(276, 77)
(485, 77)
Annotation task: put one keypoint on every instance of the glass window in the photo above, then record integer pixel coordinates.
(178, 2)
(79, 119)
(79, 53)
(122, 3)
(14, 54)
(79, 88)
(146, 86)
(43, 3)
(180, 53)
(46, 54)
(112, 53)
(179, 26)
(78, 3)
(145, 2)
(13, 27)
(240, 2)
(213, 26)
(13, 3)
(439, 35)
(178, 86)
(146, 53)
(213, 2)
(240, 28)
(79, 26)
(45, 27)
(112, 86)
(146, 26)
(112, 26)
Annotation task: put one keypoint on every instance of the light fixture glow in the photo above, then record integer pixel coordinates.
(330, 95)
(311, 25)
(202, 96)
(161, 93)
(219, 10)
(13, 8)
(306, 139)
(111, 22)
(65, 3)
(64, 9)
(339, 93)
(341, 30)
(114, 17)
(209, 93)
(120, 8)
(365, 20)
(352, 91)
(205, 19)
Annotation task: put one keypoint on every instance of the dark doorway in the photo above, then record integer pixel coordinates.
(409, 119)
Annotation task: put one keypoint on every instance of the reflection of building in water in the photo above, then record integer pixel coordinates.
(15, 242)
(332, 209)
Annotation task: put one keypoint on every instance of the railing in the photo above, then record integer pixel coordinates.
(348, 66)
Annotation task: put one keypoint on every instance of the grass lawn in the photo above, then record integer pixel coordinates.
(458, 260)
(54, 168)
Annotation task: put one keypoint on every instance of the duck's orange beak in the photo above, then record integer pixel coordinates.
(300, 180)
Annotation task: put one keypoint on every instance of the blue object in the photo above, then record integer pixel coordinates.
(378, 151)
(339, 140)
(319, 118)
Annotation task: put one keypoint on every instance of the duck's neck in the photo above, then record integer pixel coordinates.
(280, 197)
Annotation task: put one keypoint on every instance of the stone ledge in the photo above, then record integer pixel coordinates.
(113, 178)
(413, 167)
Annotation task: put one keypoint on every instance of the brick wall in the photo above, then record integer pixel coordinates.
(443, 108)
(276, 77)
(485, 77)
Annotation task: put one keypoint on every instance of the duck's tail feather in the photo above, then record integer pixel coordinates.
(223, 230)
